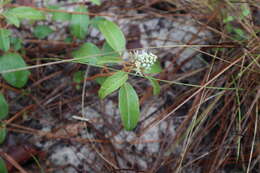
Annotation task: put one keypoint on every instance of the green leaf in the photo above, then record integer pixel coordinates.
(108, 50)
(3, 168)
(108, 60)
(87, 53)
(239, 32)
(4, 39)
(228, 19)
(94, 21)
(12, 61)
(100, 80)
(156, 68)
(42, 31)
(68, 39)
(27, 13)
(16, 43)
(79, 23)
(97, 2)
(2, 3)
(11, 18)
(3, 132)
(59, 16)
(4, 109)
(246, 11)
(110, 56)
(112, 83)
(113, 35)
(229, 27)
(78, 76)
(129, 106)
(155, 85)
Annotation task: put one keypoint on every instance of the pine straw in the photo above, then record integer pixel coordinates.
(220, 129)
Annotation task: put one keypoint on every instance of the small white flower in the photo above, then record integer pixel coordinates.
(143, 60)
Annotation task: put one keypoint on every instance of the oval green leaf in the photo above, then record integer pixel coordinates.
(155, 85)
(113, 35)
(16, 43)
(12, 61)
(42, 31)
(11, 19)
(59, 16)
(78, 76)
(4, 39)
(155, 68)
(228, 19)
(27, 13)
(87, 53)
(112, 83)
(3, 133)
(129, 106)
(79, 23)
(96, 2)
(108, 60)
(108, 51)
(110, 56)
(3, 168)
(3, 107)
(95, 20)
(100, 80)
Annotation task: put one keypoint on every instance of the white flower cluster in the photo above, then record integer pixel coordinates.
(143, 60)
